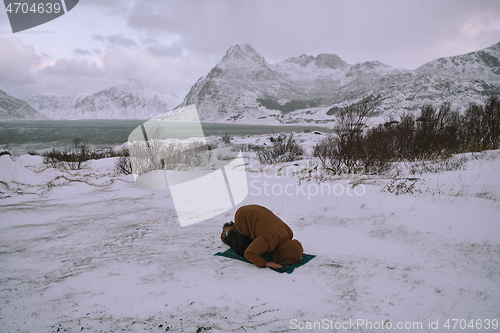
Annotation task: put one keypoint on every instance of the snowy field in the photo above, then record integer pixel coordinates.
(413, 251)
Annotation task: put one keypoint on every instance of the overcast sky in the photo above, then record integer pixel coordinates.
(170, 44)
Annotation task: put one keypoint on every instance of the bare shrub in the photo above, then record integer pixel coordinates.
(284, 149)
(440, 132)
(146, 156)
(377, 150)
(349, 150)
(352, 119)
(74, 158)
(123, 164)
(438, 165)
(326, 150)
(437, 132)
(350, 124)
(6, 150)
(226, 154)
(404, 137)
(159, 152)
(226, 138)
(77, 156)
(370, 153)
(481, 126)
(247, 147)
(53, 158)
(402, 186)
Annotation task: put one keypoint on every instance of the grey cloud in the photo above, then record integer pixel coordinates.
(116, 40)
(397, 32)
(174, 50)
(16, 61)
(121, 41)
(106, 3)
(149, 40)
(72, 68)
(82, 52)
(110, 7)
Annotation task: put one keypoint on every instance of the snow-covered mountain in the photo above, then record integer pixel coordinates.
(129, 99)
(244, 87)
(12, 108)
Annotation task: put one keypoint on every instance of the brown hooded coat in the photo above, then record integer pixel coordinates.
(268, 233)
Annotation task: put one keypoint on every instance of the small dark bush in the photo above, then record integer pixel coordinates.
(76, 157)
(370, 153)
(247, 147)
(349, 149)
(73, 158)
(328, 152)
(284, 149)
(6, 150)
(480, 126)
(377, 150)
(123, 164)
(226, 138)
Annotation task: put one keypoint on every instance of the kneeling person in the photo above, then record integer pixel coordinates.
(257, 230)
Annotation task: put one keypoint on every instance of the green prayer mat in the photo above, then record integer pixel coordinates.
(269, 257)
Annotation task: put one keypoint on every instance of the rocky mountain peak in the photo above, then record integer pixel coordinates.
(130, 84)
(323, 60)
(369, 65)
(326, 60)
(302, 60)
(242, 56)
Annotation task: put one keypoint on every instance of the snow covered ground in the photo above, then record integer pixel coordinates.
(89, 251)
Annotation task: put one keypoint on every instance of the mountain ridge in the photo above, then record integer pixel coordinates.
(12, 108)
(127, 99)
(306, 88)
(244, 88)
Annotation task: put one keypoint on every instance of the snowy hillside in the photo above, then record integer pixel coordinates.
(129, 99)
(12, 108)
(90, 251)
(244, 87)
